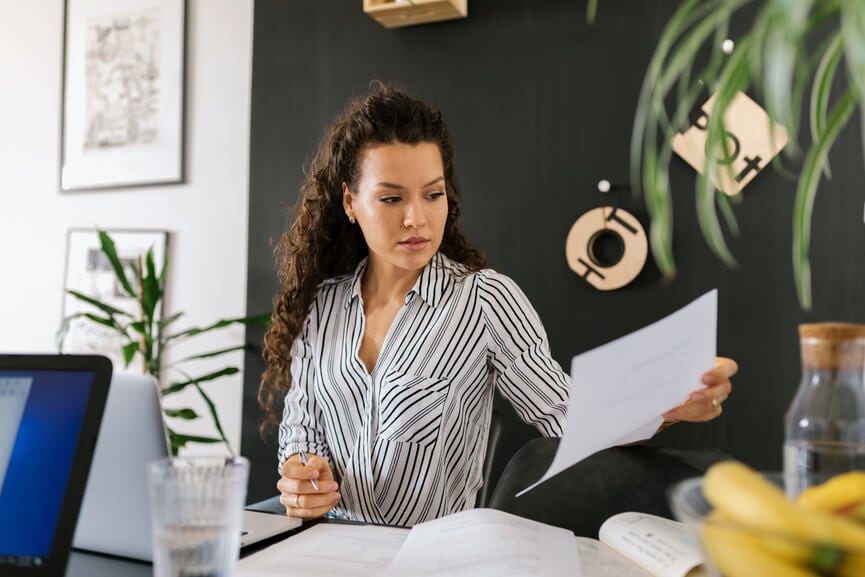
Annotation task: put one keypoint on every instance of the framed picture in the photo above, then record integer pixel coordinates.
(89, 271)
(123, 93)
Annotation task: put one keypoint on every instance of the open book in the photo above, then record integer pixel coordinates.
(480, 543)
(639, 544)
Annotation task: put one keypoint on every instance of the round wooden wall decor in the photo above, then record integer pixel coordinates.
(607, 246)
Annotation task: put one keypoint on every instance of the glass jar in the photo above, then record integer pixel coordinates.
(825, 424)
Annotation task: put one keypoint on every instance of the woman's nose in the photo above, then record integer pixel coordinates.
(414, 215)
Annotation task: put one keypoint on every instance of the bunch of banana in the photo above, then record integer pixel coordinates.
(842, 495)
(755, 531)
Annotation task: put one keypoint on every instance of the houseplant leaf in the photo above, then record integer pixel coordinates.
(179, 440)
(212, 354)
(821, 88)
(186, 413)
(104, 307)
(806, 191)
(129, 350)
(177, 387)
(151, 291)
(213, 415)
(257, 320)
(110, 251)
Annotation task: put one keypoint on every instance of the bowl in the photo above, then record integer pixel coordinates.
(729, 544)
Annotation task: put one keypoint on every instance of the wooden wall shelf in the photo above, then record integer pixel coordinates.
(396, 14)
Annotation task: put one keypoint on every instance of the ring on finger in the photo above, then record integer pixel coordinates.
(715, 404)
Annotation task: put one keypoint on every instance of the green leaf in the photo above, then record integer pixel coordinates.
(591, 11)
(691, 25)
(177, 387)
(213, 353)
(179, 440)
(111, 252)
(734, 78)
(821, 88)
(257, 320)
(109, 322)
(164, 270)
(129, 350)
(784, 36)
(689, 12)
(212, 408)
(727, 213)
(195, 439)
(853, 33)
(162, 323)
(807, 190)
(104, 307)
(187, 414)
(151, 292)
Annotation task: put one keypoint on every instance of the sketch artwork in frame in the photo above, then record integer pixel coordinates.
(123, 93)
(89, 271)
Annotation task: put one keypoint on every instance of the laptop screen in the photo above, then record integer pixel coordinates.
(46, 423)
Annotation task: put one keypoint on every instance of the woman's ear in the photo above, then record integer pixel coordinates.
(346, 200)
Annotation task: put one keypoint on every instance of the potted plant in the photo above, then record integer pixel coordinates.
(792, 55)
(146, 338)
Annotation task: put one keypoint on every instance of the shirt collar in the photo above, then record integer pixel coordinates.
(431, 285)
(355, 282)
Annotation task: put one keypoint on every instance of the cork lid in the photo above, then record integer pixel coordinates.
(832, 331)
(833, 346)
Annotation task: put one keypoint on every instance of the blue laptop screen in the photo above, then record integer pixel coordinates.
(41, 415)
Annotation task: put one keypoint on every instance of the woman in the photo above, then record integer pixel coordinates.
(389, 336)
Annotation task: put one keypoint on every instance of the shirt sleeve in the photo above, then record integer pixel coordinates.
(526, 374)
(302, 427)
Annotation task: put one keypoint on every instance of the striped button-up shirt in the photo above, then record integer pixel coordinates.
(407, 441)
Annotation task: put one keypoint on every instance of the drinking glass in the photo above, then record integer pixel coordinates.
(196, 506)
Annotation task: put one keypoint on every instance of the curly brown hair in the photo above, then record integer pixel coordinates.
(322, 244)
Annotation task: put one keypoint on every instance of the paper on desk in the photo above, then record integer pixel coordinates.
(486, 543)
(620, 389)
(327, 550)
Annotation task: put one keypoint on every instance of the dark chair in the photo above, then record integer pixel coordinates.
(491, 460)
(630, 478)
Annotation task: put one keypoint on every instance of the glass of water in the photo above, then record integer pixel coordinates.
(196, 505)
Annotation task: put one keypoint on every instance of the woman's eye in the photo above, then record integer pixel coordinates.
(390, 199)
(435, 195)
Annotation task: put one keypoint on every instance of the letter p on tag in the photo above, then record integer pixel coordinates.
(752, 142)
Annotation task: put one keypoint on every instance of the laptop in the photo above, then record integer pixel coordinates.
(51, 407)
(115, 513)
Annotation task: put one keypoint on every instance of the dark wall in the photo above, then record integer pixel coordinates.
(541, 106)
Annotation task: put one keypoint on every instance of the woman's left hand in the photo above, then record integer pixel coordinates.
(706, 404)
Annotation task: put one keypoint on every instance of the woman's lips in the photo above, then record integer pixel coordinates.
(415, 243)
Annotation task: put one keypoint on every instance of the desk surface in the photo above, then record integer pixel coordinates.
(83, 564)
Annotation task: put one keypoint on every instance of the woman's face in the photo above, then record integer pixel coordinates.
(400, 204)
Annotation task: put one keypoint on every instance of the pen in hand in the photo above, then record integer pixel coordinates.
(305, 461)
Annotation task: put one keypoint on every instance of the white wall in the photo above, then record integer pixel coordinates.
(207, 216)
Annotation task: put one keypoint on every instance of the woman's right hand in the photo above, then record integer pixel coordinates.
(296, 492)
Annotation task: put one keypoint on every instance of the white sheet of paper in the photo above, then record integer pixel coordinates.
(327, 550)
(486, 543)
(620, 390)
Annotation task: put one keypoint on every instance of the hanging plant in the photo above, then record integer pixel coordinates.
(792, 55)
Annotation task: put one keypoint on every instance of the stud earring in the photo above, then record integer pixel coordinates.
(351, 219)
